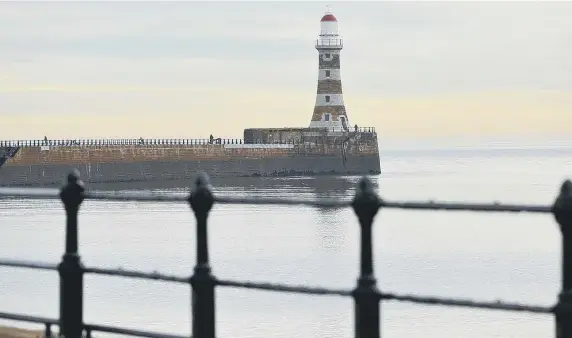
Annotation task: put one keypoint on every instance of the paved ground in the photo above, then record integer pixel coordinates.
(10, 332)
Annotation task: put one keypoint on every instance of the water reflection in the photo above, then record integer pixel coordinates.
(331, 230)
(321, 186)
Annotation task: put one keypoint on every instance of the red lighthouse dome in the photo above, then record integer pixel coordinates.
(329, 17)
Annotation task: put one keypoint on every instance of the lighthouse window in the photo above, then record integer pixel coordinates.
(328, 56)
(327, 98)
(327, 73)
(326, 117)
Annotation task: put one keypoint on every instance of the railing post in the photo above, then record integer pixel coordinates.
(366, 204)
(202, 281)
(562, 210)
(71, 268)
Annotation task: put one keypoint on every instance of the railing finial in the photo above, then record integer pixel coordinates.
(366, 202)
(73, 176)
(201, 198)
(202, 180)
(566, 188)
(562, 208)
(72, 197)
(365, 186)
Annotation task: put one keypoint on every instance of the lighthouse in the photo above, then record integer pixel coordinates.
(329, 110)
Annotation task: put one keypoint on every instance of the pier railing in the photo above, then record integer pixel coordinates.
(203, 282)
(364, 130)
(140, 141)
(115, 142)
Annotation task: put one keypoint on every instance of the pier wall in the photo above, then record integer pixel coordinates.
(109, 172)
(45, 165)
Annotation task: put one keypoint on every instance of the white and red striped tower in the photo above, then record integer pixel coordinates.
(329, 110)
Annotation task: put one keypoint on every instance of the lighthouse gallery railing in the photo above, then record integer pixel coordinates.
(367, 296)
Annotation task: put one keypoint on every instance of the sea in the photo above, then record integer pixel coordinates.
(479, 256)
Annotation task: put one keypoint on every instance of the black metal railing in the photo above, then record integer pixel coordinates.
(116, 142)
(106, 142)
(367, 297)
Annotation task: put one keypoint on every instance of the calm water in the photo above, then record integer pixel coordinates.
(511, 257)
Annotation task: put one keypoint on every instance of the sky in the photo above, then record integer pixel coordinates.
(190, 69)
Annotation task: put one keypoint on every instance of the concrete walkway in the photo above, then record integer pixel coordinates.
(11, 332)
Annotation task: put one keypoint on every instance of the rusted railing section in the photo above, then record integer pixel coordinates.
(367, 297)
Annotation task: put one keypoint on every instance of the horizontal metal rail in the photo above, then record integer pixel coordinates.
(265, 286)
(49, 322)
(486, 207)
(47, 193)
(12, 263)
(127, 332)
(28, 319)
(137, 274)
(285, 288)
(496, 305)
